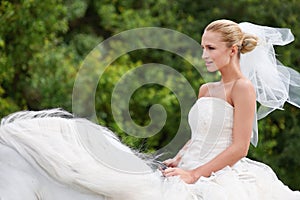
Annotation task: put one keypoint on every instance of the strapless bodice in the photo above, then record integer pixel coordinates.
(211, 122)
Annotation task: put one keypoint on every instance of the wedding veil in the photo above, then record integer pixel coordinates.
(275, 83)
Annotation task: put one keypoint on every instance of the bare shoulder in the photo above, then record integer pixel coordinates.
(203, 90)
(243, 85)
(243, 90)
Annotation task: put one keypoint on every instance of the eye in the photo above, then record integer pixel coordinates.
(208, 47)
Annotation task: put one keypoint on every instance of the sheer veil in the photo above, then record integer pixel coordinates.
(275, 83)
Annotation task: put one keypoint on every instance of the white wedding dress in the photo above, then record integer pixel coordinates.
(58, 158)
(211, 122)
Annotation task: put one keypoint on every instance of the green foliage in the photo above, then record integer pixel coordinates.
(43, 43)
(29, 34)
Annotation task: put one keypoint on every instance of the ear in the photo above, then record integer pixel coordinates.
(234, 50)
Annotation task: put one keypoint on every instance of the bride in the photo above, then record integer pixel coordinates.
(52, 155)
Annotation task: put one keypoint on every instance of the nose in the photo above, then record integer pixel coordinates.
(204, 54)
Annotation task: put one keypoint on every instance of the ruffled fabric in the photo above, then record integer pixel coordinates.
(247, 180)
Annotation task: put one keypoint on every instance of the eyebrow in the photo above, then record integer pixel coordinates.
(211, 45)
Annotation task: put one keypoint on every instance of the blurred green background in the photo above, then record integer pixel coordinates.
(43, 43)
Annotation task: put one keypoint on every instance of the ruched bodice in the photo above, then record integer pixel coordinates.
(211, 121)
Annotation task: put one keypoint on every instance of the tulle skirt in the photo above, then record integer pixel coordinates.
(56, 158)
(247, 180)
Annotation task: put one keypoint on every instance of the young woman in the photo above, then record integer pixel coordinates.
(214, 159)
(51, 155)
(222, 52)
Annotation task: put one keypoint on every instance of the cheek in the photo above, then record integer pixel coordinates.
(219, 60)
(222, 58)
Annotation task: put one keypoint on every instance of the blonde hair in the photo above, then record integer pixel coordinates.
(233, 35)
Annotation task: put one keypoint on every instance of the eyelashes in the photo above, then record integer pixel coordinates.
(209, 47)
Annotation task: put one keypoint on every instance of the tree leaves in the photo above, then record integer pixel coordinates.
(43, 44)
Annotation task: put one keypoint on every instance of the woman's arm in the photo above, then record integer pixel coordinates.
(244, 100)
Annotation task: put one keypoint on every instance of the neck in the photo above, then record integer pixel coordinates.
(231, 72)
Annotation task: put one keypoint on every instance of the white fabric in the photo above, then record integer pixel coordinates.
(55, 158)
(211, 127)
(275, 83)
(211, 121)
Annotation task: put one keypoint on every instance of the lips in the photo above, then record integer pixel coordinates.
(208, 63)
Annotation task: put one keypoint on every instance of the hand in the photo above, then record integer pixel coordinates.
(173, 162)
(187, 176)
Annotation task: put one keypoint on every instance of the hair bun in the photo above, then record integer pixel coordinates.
(249, 43)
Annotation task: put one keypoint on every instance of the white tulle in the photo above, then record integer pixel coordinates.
(275, 83)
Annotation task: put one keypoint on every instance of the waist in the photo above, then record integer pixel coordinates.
(200, 152)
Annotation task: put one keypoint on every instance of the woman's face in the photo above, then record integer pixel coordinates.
(215, 52)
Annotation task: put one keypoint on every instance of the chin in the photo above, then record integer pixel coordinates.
(212, 68)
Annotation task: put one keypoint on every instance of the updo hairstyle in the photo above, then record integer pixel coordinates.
(233, 35)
